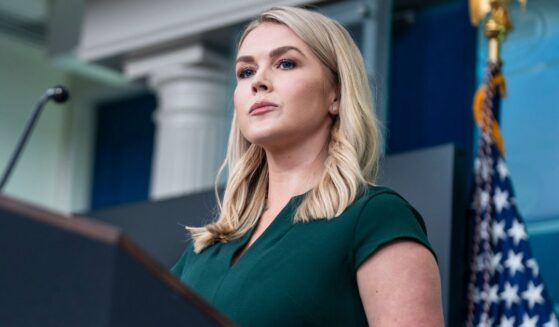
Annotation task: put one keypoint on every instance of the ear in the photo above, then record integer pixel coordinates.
(334, 107)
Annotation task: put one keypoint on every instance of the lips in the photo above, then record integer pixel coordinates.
(261, 107)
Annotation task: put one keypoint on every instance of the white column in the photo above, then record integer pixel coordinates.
(191, 118)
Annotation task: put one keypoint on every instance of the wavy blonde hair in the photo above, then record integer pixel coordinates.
(353, 149)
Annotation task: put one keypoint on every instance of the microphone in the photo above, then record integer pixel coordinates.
(58, 94)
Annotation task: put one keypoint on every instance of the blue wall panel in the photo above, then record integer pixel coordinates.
(432, 80)
(123, 151)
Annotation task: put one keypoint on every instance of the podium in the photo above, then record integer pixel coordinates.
(74, 271)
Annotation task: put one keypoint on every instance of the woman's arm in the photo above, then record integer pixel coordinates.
(400, 286)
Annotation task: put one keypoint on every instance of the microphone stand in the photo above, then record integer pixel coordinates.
(58, 94)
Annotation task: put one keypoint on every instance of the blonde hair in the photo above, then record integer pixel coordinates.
(353, 150)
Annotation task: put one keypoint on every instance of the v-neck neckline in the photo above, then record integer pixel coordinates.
(293, 202)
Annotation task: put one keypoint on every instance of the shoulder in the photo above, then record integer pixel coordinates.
(379, 204)
(381, 216)
(381, 194)
(178, 268)
(378, 194)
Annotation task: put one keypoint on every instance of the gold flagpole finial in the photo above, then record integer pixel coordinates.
(497, 25)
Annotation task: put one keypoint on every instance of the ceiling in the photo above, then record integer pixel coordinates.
(27, 19)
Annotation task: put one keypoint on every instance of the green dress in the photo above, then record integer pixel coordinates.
(301, 274)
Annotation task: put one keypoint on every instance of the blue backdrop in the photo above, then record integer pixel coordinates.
(123, 151)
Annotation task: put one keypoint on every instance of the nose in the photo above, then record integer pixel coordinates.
(261, 83)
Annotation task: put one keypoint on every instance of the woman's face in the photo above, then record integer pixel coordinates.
(284, 93)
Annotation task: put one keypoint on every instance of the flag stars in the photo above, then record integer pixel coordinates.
(485, 321)
(533, 294)
(478, 295)
(496, 263)
(514, 262)
(528, 321)
(501, 200)
(484, 230)
(484, 199)
(510, 294)
(502, 169)
(506, 289)
(507, 322)
(493, 294)
(477, 165)
(517, 232)
(483, 168)
(480, 262)
(533, 265)
(552, 321)
(498, 231)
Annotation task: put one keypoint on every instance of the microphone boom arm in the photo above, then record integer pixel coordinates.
(58, 94)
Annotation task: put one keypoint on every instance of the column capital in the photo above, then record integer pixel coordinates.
(169, 59)
(199, 74)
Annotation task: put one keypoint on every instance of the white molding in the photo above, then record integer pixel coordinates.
(114, 28)
(141, 66)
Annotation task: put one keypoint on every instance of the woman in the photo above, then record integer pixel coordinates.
(303, 237)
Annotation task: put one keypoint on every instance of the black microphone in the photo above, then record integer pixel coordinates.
(58, 94)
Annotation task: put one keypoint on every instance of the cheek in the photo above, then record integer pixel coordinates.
(237, 99)
(308, 95)
(297, 87)
(239, 102)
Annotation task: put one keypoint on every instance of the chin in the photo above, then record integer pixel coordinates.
(261, 140)
(264, 137)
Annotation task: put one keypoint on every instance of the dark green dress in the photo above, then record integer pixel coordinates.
(301, 274)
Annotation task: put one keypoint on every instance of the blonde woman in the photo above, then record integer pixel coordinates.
(304, 238)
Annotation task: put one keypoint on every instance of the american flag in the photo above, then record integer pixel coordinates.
(505, 285)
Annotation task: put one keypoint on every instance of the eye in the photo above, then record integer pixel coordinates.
(245, 73)
(286, 64)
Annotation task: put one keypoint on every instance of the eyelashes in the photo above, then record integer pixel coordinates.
(282, 64)
(286, 64)
(245, 73)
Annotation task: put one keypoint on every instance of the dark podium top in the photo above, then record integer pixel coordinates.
(62, 271)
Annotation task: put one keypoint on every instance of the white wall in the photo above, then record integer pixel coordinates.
(55, 168)
(25, 74)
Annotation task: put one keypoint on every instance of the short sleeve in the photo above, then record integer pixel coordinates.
(384, 218)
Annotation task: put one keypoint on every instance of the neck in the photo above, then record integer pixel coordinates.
(293, 171)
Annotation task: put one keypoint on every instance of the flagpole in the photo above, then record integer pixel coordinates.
(505, 287)
(497, 23)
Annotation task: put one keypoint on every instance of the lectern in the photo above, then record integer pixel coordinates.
(62, 271)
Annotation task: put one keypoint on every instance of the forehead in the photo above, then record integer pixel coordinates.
(267, 36)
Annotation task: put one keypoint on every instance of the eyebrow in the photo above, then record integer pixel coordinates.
(274, 53)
